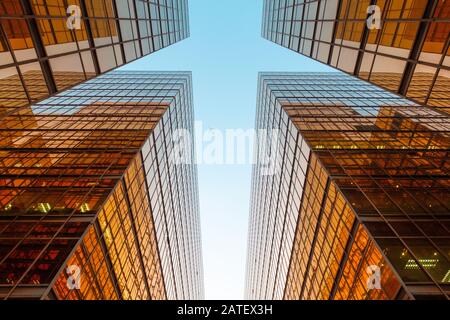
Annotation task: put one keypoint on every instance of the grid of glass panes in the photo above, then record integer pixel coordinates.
(40, 55)
(82, 141)
(118, 258)
(409, 54)
(360, 133)
(176, 217)
(275, 199)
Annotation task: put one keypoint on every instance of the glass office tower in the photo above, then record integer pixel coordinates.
(356, 205)
(408, 54)
(48, 46)
(93, 203)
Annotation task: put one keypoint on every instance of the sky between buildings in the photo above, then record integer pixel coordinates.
(225, 52)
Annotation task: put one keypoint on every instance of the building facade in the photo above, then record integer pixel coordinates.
(400, 45)
(356, 205)
(49, 46)
(93, 202)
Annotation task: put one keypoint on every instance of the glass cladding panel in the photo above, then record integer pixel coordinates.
(363, 255)
(439, 96)
(12, 92)
(421, 83)
(18, 36)
(95, 282)
(175, 217)
(107, 58)
(67, 70)
(34, 80)
(387, 72)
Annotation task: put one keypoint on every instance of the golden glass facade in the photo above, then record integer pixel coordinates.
(409, 54)
(360, 180)
(40, 55)
(87, 180)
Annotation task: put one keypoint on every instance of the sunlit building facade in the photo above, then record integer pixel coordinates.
(48, 46)
(407, 52)
(356, 204)
(93, 203)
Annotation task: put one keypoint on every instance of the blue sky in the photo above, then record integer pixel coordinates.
(225, 52)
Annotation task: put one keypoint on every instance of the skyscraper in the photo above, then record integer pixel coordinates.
(93, 202)
(49, 46)
(357, 204)
(400, 45)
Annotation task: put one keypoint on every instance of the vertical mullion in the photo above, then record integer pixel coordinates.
(39, 46)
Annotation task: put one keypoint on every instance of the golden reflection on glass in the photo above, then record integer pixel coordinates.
(402, 56)
(12, 93)
(375, 194)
